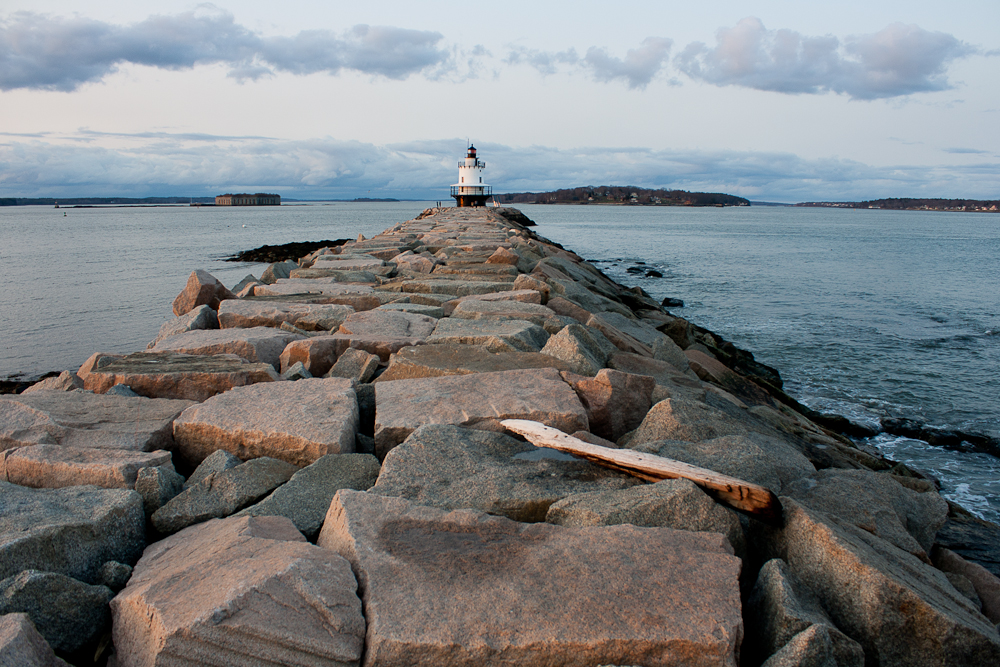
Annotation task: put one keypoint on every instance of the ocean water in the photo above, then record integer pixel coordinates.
(864, 313)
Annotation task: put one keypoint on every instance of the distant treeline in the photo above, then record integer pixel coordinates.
(102, 201)
(623, 194)
(907, 204)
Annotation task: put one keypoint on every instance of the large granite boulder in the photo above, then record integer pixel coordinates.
(585, 349)
(481, 401)
(389, 323)
(22, 646)
(779, 609)
(494, 335)
(202, 288)
(481, 309)
(220, 494)
(459, 468)
(467, 588)
(246, 314)
(616, 402)
(202, 317)
(818, 646)
(68, 613)
(684, 419)
(306, 497)
(296, 422)
(256, 344)
(248, 592)
(876, 503)
(157, 486)
(519, 295)
(672, 503)
(55, 466)
(277, 271)
(72, 531)
(901, 610)
(354, 364)
(85, 420)
(170, 375)
(65, 381)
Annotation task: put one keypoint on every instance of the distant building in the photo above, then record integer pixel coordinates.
(470, 189)
(243, 199)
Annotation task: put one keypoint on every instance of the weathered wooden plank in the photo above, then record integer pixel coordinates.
(758, 501)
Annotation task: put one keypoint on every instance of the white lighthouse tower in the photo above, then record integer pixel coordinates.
(470, 189)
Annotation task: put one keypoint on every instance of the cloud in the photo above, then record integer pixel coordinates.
(966, 151)
(898, 60)
(51, 53)
(152, 164)
(636, 69)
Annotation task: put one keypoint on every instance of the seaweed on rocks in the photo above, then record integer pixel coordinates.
(280, 253)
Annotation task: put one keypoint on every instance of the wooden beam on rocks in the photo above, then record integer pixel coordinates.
(753, 499)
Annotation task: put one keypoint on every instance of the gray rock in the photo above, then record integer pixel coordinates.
(355, 364)
(460, 587)
(665, 349)
(495, 336)
(247, 313)
(419, 309)
(901, 610)
(452, 467)
(682, 419)
(249, 279)
(672, 503)
(222, 494)
(65, 381)
(456, 359)
(115, 575)
(121, 390)
(82, 419)
(876, 503)
(68, 613)
(249, 592)
(217, 461)
(71, 531)
(296, 371)
(202, 317)
(753, 458)
(818, 646)
(157, 486)
(616, 402)
(306, 497)
(483, 309)
(585, 349)
(22, 646)
(278, 270)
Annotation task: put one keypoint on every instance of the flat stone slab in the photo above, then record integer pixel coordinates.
(455, 287)
(494, 335)
(420, 309)
(456, 359)
(248, 592)
(306, 316)
(256, 344)
(287, 286)
(468, 588)
(459, 468)
(480, 309)
(389, 324)
(85, 420)
(296, 422)
(348, 263)
(56, 466)
(481, 400)
(173, 375)
(72, 531)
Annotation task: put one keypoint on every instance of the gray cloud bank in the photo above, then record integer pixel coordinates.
(50, 53)
(165, 164)
(898, 60)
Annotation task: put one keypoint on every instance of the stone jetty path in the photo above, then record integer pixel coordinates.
(326, 465)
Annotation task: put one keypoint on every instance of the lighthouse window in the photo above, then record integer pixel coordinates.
(480, 179)
(463, 180)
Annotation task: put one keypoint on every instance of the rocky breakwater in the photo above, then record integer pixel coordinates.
(324, 466)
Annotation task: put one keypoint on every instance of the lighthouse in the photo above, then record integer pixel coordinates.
(470, 189)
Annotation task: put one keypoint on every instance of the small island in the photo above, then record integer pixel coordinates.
(623, 195)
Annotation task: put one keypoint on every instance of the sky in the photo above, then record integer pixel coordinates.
(781, 101)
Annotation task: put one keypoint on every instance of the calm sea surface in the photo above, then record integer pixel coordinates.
(865, 313)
